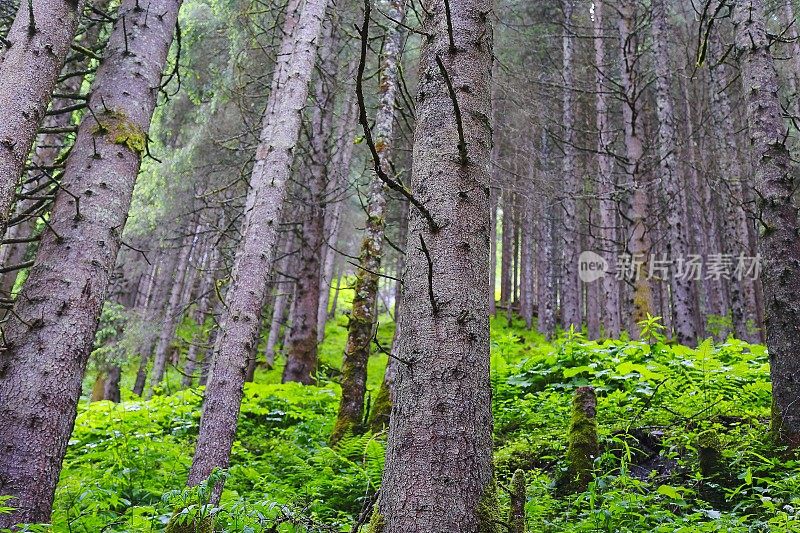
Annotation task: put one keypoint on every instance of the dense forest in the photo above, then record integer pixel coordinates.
(399, 266)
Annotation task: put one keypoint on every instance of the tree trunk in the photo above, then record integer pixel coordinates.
(206, 292)
(438, 474)
(610, 321)
(677, 242)
(570, 283)
(111, 385)
(507, 247)
(248, 289)
(49, 147)
(364, 314)
(779, 246)
(58, 311)
(284, 288)
(40, 40)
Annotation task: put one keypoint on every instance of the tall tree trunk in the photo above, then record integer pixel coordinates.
(45, 158)
(439, 456)
(342, 160)
(364, 314)
(570, 283)
(526, 260)
(610, 321)
(672, 183)
(58, 311)
(699, 224)
(507, 247)
(779, 246)
(29, 67)
(248, 289)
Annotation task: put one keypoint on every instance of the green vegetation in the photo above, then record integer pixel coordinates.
(683, 435)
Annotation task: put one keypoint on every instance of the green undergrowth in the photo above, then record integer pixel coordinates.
(683, 438)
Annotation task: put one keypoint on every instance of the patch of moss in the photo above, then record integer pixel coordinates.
(376, 523)
(709, 451)
(516, 514)
(119, 129)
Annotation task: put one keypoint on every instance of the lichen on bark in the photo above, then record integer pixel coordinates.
(119, 129)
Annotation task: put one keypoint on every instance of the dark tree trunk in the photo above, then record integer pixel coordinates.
(779, 246)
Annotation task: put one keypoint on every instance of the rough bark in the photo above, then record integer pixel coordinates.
(570, 283)
(364, 314)
(438, 474)
(546, 256)
(248, 287)
(40, 39)
(58, 311)
(526, 261)
(610, 321)
(779, 246)
(49, 147)
(677, 243)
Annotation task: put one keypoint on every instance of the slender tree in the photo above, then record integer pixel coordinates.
(606, 187)
(241, 318)
(364, 314)
(672, 183)
(570, 284)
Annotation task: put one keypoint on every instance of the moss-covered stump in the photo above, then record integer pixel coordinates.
(516, 513)
(583, 447)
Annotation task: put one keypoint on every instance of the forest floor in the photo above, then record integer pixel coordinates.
(684, 436)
